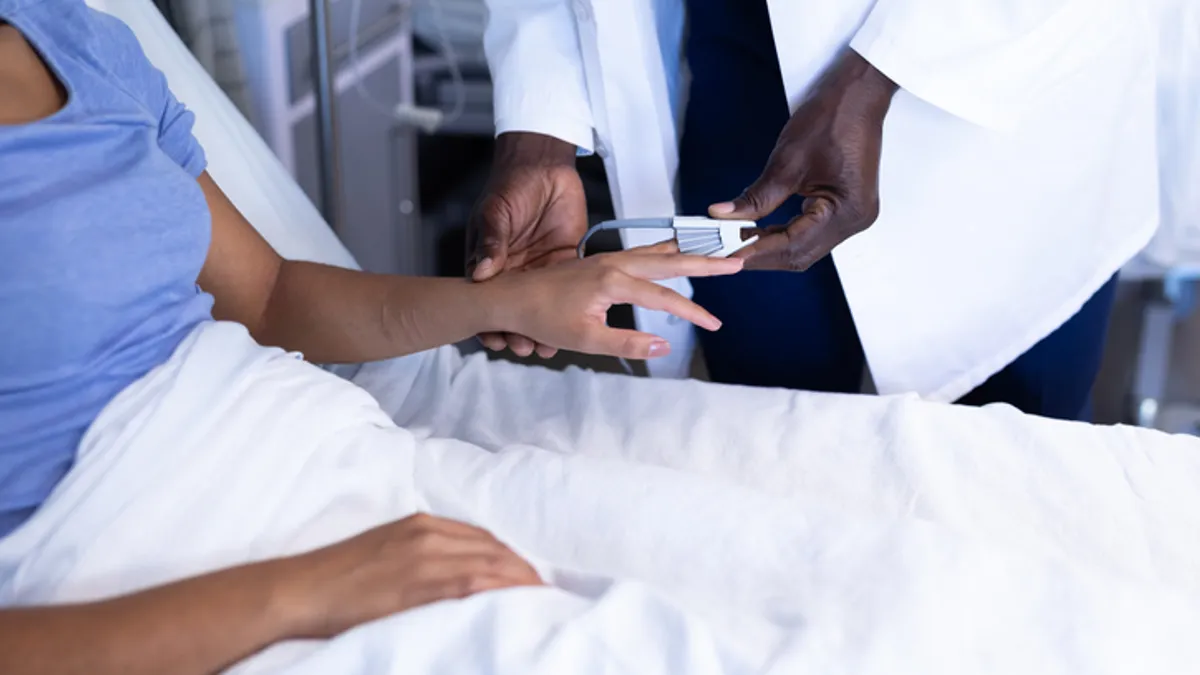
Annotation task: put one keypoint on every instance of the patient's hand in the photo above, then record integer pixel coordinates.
(402, 565)
(566, 306)
(532, 214)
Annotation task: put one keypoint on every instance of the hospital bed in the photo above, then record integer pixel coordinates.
(686, 527)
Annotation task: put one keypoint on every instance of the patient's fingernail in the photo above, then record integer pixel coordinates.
(659, 348)
(484, 268)
(722, 209)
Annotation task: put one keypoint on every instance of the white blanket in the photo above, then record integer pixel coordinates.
(687, 528)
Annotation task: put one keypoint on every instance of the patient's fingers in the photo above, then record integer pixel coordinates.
(424, 522)
(662, 247)
(456, 538)
(652, 296)
(626, 344)
(658, 266)
(457, 588)
(546, 351)
(504, 565)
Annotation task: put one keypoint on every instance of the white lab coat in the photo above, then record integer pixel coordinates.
(1019, 168)
(1177, 243)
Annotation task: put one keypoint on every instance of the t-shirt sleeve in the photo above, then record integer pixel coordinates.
(175, 134)
(149, 86)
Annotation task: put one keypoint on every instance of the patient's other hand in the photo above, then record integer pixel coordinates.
(412, 562)
(566, 306)
(532, 214)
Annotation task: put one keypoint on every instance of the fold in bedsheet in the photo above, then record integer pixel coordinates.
(832, 535)
(1121, 499)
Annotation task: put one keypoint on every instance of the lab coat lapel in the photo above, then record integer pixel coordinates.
(637, 135)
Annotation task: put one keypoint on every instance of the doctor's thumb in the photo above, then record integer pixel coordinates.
(489, 254)
(489, 261)
(757, 202)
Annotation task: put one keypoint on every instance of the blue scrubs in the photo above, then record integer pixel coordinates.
(795, 330)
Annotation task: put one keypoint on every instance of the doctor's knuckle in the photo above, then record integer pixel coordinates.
(495, 211)
(860, 214)
(755, 198)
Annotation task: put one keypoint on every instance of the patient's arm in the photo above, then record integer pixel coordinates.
(208, 623)
(197, 626)
(334, 315)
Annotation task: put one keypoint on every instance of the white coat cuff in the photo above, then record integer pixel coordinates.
(575, 132)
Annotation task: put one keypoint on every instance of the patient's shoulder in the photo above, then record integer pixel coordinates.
(116, 49)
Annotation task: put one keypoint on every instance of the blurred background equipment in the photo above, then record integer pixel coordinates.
(414, 107)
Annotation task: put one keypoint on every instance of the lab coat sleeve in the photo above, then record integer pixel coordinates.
(534, 54)
(986, 61)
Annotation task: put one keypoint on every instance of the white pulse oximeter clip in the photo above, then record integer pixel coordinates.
(696, 235)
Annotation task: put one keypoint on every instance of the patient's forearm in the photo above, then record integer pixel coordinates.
(334, 315)
(201, 625)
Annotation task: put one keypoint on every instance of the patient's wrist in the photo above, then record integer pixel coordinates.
(495, 306)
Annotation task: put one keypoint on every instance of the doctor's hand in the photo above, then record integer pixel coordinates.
(828, 153)
(566, 306)
(532, 214)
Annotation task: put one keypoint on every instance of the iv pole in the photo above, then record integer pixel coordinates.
(324, 93)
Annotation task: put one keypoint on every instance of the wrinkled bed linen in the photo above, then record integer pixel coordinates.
(686, 528)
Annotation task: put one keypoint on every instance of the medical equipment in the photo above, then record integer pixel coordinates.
(328, 158)
(695, 235)
(427, 119)
(381, 203)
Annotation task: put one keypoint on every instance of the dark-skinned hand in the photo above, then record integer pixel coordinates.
(532, 214)
(828, 153)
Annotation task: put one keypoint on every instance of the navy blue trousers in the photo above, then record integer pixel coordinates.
(794, 330)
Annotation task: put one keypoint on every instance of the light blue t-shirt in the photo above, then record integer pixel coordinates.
(103, 231)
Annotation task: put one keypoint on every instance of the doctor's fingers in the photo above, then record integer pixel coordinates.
(777, 183)
(495, 342)
(519, 344)
(806, 239)
(649, 295)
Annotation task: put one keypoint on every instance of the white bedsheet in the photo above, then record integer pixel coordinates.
(688, 528)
